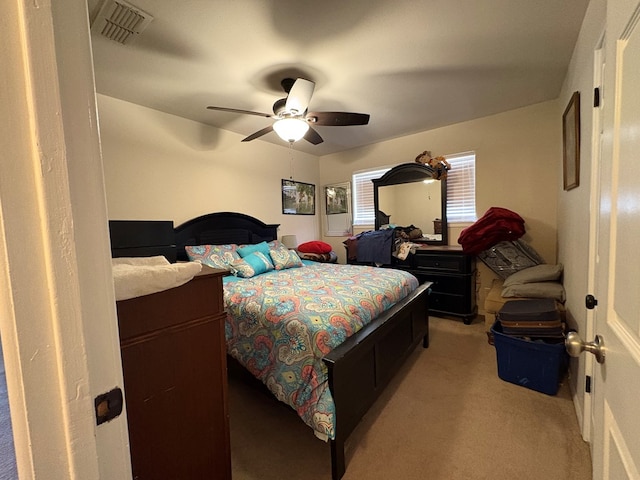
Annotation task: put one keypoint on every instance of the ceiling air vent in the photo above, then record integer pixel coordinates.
(120, 21)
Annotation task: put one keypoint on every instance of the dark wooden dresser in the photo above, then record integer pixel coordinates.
(175, 379)
(453, 274)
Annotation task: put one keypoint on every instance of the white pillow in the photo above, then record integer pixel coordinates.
(535, 290)
(538, 273)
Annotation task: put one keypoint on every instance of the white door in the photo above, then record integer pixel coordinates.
(616, 386)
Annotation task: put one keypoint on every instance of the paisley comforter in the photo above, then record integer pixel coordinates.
(281, 323)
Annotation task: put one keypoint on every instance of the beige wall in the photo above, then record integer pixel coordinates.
(159, 166)
(162, 167)
(574, 206)
(518, 154)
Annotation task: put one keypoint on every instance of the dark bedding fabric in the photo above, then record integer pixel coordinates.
(496, 225)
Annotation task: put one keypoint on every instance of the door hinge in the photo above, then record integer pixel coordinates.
(587, 384)
(596, 97)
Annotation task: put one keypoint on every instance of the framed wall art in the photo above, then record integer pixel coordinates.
(298, 198)
(571, 143)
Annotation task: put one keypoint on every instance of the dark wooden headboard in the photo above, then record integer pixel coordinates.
(222, 228)
(142, 238)
(145, 238)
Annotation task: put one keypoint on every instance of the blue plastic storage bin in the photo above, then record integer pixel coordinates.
(536, 364)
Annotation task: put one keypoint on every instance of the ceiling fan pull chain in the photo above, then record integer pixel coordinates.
(290, 160)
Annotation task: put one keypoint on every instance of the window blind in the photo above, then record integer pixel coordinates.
(363, 208)
(461, 188)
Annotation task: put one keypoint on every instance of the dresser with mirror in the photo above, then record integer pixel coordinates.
(409, 196)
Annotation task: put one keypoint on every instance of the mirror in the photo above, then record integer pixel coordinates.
(409, 195)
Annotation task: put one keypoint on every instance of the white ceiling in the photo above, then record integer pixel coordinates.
(413, 65)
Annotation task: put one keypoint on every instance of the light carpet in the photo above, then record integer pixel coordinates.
(445, 416)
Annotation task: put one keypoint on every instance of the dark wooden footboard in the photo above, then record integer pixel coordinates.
(361, 367)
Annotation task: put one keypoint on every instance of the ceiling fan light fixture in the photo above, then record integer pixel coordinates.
(291, 129)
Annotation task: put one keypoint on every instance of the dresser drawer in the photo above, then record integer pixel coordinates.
(458, 284)
(144, 315)
(442, 263)
(445, 302)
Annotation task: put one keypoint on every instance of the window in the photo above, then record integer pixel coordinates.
(461, 191)
(363, 209)
(461, 188)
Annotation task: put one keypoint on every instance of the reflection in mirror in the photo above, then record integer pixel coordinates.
(408, 195)
(401, 202)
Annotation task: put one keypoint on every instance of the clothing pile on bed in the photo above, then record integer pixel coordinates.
(523, 274)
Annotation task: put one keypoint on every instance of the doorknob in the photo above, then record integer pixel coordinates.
(575, 346)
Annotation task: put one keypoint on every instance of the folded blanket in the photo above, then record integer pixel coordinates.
(134, 277)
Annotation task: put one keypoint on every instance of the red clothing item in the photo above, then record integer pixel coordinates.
(496, 225)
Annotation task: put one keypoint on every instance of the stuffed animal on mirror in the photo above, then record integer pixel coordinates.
(439, 164)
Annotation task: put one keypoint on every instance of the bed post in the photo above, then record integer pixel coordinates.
(338, 465)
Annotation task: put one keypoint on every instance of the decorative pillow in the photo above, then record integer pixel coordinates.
(314, 246)
(253, 264)
(538, 273)
(261, 247)
(216, 256)
(283, 258)
(536, 290)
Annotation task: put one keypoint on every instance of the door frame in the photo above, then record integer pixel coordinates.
(57, 306)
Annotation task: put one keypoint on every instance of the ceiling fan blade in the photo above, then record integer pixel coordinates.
(235, 110)
(259, 133)
(337, 119)
(299, 96)
(313, 137)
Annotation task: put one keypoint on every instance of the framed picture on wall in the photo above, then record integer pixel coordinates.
(571, 143)
(298, 198)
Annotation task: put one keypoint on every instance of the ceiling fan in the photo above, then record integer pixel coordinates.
(293, 120)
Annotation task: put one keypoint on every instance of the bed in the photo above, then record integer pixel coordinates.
(354, 367)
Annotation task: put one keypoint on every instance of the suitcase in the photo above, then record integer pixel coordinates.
(537, 317)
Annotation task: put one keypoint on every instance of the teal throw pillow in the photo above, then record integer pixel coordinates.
(253, 264)
(261, 247)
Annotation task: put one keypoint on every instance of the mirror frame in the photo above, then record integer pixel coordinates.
(411, 173)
